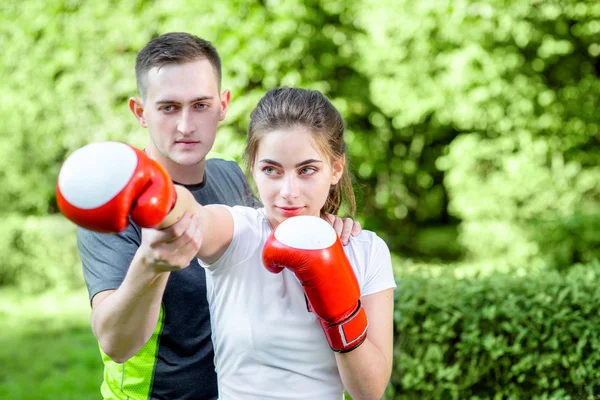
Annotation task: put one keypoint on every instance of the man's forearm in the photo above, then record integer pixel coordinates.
(125, 319)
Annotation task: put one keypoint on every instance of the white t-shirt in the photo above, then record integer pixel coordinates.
(267, 345)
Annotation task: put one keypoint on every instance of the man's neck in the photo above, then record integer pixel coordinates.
(186, 174)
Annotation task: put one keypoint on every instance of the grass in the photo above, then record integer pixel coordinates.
(47, 350)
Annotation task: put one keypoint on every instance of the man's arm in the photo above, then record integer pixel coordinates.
(124, 319)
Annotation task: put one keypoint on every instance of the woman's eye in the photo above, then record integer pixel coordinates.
(269, 170)
(307, 171)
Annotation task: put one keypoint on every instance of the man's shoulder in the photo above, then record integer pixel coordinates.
(223, 166)
(225, 183)
(225, 173)
(130, 234)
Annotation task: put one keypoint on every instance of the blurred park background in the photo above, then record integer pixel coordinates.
(473, 134)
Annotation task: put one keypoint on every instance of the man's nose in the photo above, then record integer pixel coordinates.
(186, 124)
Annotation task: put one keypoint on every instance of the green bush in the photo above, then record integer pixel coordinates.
(498, 337)
(492, 337)
(39, 253)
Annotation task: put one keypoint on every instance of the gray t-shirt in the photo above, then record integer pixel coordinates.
(177, 362)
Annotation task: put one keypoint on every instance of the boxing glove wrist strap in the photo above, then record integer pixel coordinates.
(348, 334)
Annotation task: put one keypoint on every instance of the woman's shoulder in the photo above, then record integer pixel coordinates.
(370, 258)
(250, 218)
(366, 247)
(249, 212)
(367, 240)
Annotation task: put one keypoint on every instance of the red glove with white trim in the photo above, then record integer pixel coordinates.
(100, 184)
(310, 248)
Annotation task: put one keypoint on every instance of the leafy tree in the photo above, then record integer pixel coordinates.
(473, 112)
(501, 97)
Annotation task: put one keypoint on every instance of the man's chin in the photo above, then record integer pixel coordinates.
(189, 160)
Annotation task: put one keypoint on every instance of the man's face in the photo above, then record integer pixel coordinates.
(181, 110)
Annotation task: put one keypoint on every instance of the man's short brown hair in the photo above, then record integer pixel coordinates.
(173, 48)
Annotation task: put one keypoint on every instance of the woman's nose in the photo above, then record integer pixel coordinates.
(289, 188)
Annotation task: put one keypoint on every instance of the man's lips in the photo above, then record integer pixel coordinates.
(186, 144)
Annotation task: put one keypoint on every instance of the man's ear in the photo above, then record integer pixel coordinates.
(225, 97)
(137, 108)
(338, 169)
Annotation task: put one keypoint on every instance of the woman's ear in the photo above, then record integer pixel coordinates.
(338, 169)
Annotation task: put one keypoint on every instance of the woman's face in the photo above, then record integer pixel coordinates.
(293, 177)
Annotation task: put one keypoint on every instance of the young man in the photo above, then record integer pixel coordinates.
(148, 292)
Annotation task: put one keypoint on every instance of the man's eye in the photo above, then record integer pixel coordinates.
(166, 108)
(201, 106)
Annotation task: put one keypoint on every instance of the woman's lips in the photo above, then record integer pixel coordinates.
(290, 211)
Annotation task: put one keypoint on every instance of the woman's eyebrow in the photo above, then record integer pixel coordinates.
(305, 162)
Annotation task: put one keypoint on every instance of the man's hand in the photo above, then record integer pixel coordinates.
(344, 228)
(172, 248)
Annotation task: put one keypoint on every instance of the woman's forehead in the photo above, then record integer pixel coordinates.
(289, 143)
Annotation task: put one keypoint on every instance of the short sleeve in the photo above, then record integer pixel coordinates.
(379, 274)
(248, 232)
(106, 257)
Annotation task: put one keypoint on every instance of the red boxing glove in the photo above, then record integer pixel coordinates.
(310, 248)
(100, 184)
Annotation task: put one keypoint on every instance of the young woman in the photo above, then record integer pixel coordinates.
(318, 326)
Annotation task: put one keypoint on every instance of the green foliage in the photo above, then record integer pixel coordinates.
(498, 337)
(39, 253)
(520, 203)
(526, 337)
(519, 83)
(68, 67)
(480, 112)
